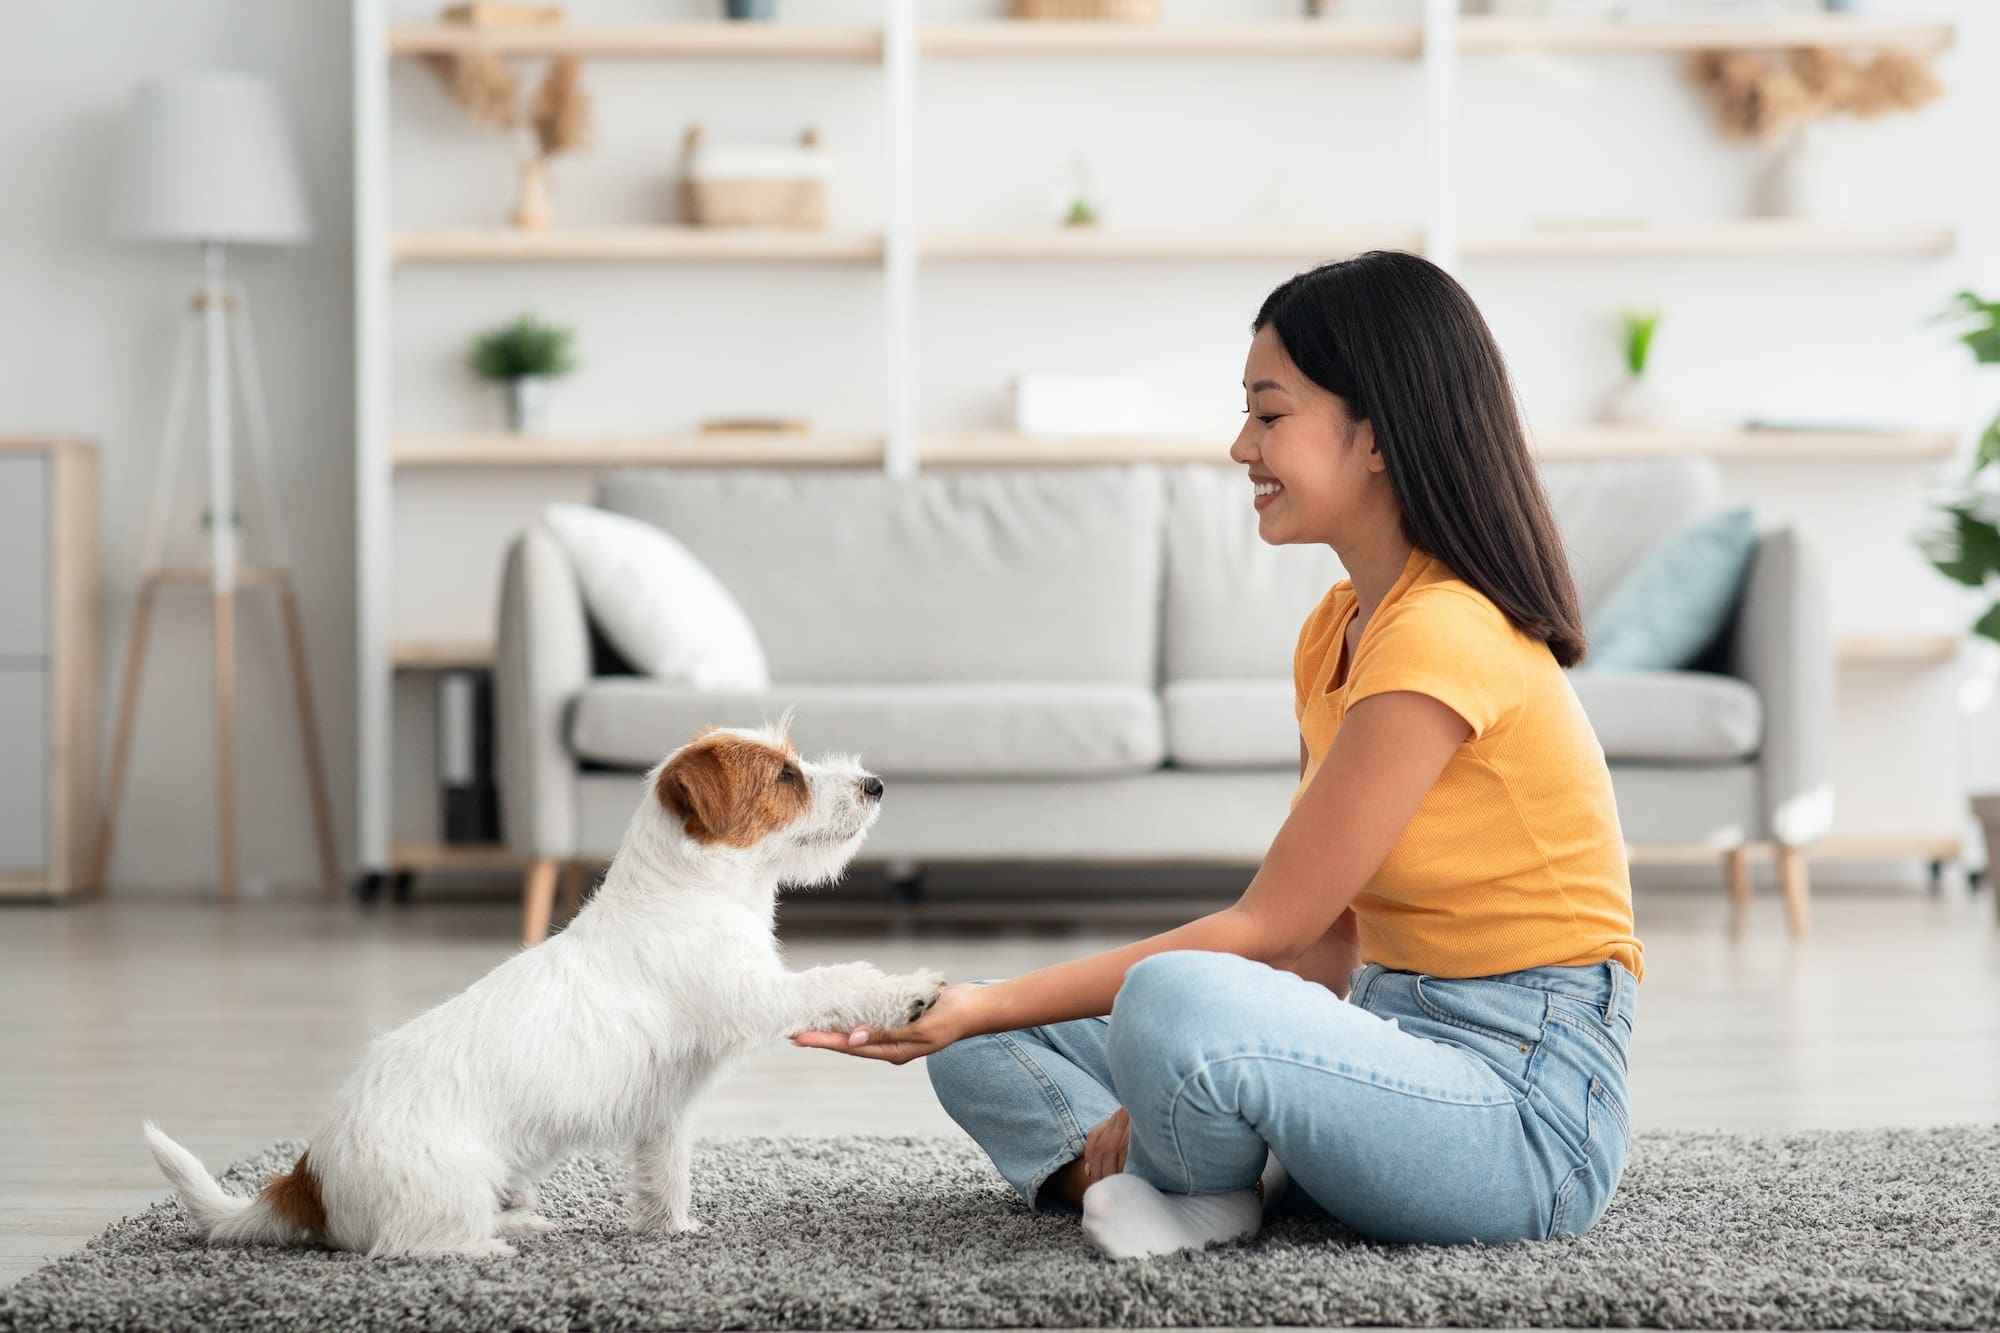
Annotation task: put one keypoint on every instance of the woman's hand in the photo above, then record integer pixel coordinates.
(1104, 1147)
(953, 1016)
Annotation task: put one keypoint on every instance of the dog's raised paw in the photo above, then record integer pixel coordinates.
(929, 985)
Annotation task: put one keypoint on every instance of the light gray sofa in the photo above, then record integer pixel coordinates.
(1093, 663)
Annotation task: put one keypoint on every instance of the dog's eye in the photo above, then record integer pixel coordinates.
(788, 775)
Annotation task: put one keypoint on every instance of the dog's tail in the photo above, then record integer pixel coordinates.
(288, 1209)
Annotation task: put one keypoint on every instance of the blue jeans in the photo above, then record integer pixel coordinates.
(1426, 1109)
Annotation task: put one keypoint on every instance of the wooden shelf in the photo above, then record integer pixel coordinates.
(1854, 649)
(502, 450)
(1777, 238)
(440, 654)
(1488, 33)
(1085, 38)
(746, 40)
(1099, 243)
(1763, 446)
(1599, 442)
(633, 244)
(1302, 38)
(422, 856)
(1900, 649)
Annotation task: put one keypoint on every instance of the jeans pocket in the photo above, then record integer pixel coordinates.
(1585, 1193)
(1513, 1015)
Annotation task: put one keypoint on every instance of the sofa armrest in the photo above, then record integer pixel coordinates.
(1782, 643)
(541, 661)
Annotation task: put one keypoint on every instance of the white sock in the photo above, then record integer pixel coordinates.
(1127, 1218)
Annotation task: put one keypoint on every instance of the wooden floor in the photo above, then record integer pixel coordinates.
(232, 1027)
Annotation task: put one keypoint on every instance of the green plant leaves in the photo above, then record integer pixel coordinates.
(525, 347)
(1969, 550)
(1984, 338)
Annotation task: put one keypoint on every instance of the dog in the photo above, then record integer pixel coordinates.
(598, 1039)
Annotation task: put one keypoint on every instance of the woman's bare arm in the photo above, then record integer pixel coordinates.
(1384, 761)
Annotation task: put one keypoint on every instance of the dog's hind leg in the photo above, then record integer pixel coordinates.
(660, 1184)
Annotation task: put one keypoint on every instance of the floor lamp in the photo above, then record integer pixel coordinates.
(206, 160)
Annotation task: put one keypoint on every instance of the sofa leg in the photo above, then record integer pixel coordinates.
(538, 898)
(1736, 864)
(569, 900)
(1792, 878)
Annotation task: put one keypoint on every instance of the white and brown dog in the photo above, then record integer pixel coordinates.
(600, 1038)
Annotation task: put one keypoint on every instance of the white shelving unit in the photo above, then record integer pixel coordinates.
(895, 48)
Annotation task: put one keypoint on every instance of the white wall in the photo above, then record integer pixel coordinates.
(1172, 143)
(86, 349)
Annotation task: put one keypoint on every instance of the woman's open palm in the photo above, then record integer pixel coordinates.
(942, 1024)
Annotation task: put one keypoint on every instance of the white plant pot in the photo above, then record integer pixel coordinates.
(1634, 403)
(528, 404)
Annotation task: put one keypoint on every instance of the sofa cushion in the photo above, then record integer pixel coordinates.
(853, 576)
(1692, 716)
(1231, 723)
(1612, 511)
(1234, 604)
(932, 730)
(1677, 598)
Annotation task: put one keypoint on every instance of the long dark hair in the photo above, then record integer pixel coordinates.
(1402, 343)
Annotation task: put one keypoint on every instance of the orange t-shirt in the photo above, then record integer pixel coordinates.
(1515, 858)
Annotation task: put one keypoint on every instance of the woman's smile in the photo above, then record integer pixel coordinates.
(1267, 491)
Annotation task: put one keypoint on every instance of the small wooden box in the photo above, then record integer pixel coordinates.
(754, 185)
(1143, 11)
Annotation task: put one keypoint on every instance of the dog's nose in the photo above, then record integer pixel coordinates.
(871, 787)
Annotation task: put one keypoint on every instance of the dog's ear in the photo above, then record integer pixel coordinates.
(698, 788)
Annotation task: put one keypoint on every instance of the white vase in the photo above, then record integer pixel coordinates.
(1634, 403)
(1797, 180)
(528, 404)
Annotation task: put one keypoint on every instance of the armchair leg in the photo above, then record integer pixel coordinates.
(1792, 878)
(538, 898)
(1736, 864)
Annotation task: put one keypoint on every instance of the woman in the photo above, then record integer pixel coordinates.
(1422, 1003)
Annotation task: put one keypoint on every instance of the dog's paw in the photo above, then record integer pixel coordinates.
(649, 1223)
(909, 997)
(521, 1222)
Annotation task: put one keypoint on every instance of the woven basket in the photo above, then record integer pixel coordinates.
(1139, 10)
(800, 205)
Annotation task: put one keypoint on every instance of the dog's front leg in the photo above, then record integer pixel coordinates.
(660, 1183)
(850, 995)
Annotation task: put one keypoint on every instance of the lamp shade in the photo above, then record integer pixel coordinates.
(207, 157)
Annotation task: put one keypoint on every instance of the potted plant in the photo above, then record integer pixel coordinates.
(524, 356)
(1634, 403)
(1781, 98)
(1964, 540)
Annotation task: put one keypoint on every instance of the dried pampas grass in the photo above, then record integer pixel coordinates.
(561, 113)
(1759, 96)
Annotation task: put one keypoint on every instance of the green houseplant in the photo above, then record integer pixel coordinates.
(1634, 403)
(524, 356)
(1963, 540)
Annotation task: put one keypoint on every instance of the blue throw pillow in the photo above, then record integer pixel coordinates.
(1673, 603)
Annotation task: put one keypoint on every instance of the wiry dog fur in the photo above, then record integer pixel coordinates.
(600, 1038)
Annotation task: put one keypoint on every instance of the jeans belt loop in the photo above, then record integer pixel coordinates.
(1616, 994)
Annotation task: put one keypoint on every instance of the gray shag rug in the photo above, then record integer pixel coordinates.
(1879, 1229)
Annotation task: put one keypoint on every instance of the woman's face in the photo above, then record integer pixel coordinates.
(1298, 437)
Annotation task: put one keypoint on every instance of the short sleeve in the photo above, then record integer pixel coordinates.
(1455, 647)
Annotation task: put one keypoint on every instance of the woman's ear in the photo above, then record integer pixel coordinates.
(1364, 440)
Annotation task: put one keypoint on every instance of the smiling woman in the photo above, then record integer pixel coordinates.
(1421, 1004)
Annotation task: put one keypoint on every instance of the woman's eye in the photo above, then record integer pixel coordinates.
(1268, 420)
